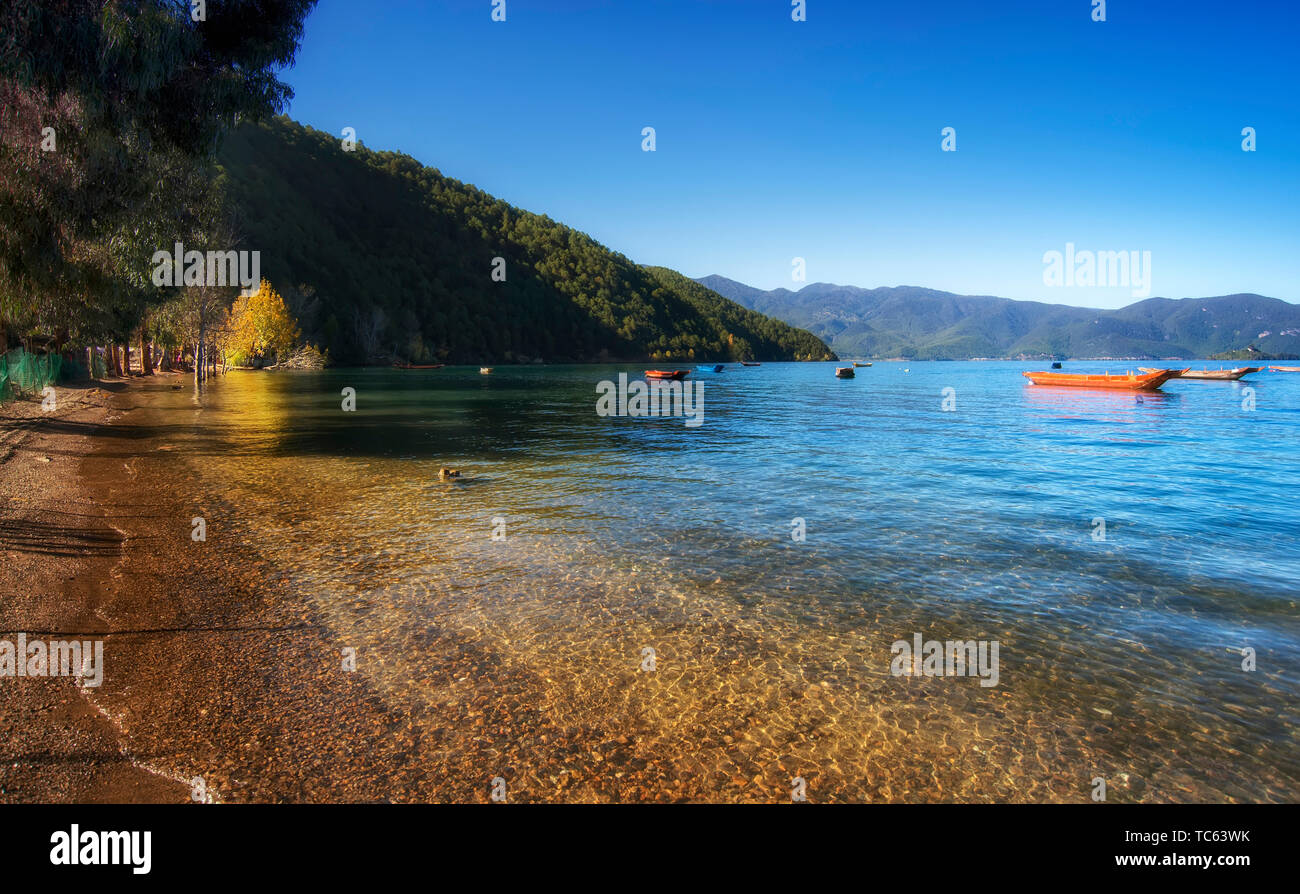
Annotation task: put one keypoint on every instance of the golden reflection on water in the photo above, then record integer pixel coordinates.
(753, 683)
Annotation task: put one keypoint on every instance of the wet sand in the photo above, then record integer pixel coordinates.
(57, 549)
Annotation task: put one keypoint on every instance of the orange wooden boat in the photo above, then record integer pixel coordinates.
(666, 373)
(418, 365)
(1127, 382)
(1285, 369)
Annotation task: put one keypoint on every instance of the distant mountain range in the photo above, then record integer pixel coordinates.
(925, 324)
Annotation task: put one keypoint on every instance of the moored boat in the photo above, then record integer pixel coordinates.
(485, 370)
(666, 373)
(1218, 375)
(1285, 369)
(844, 372)
(1127, 382)
(711, 367)
(861, 363)
(418, 365)
(1056, 364)
(1223, 375)
(750, 363)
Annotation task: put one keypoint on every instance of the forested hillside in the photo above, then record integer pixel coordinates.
(380, 257)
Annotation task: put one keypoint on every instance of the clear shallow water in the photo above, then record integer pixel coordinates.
(1118, 658)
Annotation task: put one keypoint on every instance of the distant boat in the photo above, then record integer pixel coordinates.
(1221, 375)
(1128, 382)
(1056, 365)
(485, 370)
(418, 365)
(711, 367)
(666, 373)
(860, 363)
(1225, 375)
(1285, 369)
(749, 363)
(844, 372)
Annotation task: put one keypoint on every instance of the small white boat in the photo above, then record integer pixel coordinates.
(485, 370)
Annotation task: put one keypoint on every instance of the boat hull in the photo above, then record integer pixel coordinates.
(1215, 375)
(1129, 382)
(674, 374)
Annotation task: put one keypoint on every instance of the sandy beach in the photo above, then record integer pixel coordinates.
(212, 672)
(59, 552)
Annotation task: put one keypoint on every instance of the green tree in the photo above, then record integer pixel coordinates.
(100, 102)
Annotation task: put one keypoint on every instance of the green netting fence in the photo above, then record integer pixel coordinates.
(24, 373)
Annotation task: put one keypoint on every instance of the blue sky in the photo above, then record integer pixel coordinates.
(821, 139)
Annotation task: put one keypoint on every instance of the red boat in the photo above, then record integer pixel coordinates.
(1127, 382)
(666, 373)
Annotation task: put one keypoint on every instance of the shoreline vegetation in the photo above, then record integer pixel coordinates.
(413, 267)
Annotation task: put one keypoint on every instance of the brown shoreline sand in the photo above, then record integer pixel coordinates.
(54, 540)
(96, 546)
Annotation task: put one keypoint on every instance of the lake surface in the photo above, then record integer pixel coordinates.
(1120, 657)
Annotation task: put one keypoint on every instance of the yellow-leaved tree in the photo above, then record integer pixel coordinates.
(263, 327)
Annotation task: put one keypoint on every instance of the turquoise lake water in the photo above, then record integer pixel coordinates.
(572, 543)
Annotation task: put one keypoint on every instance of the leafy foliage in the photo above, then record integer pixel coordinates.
(263, 327)
(109, 114)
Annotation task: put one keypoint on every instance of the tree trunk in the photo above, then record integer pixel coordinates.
(198, 357)
(113, 365)
(146, 358)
